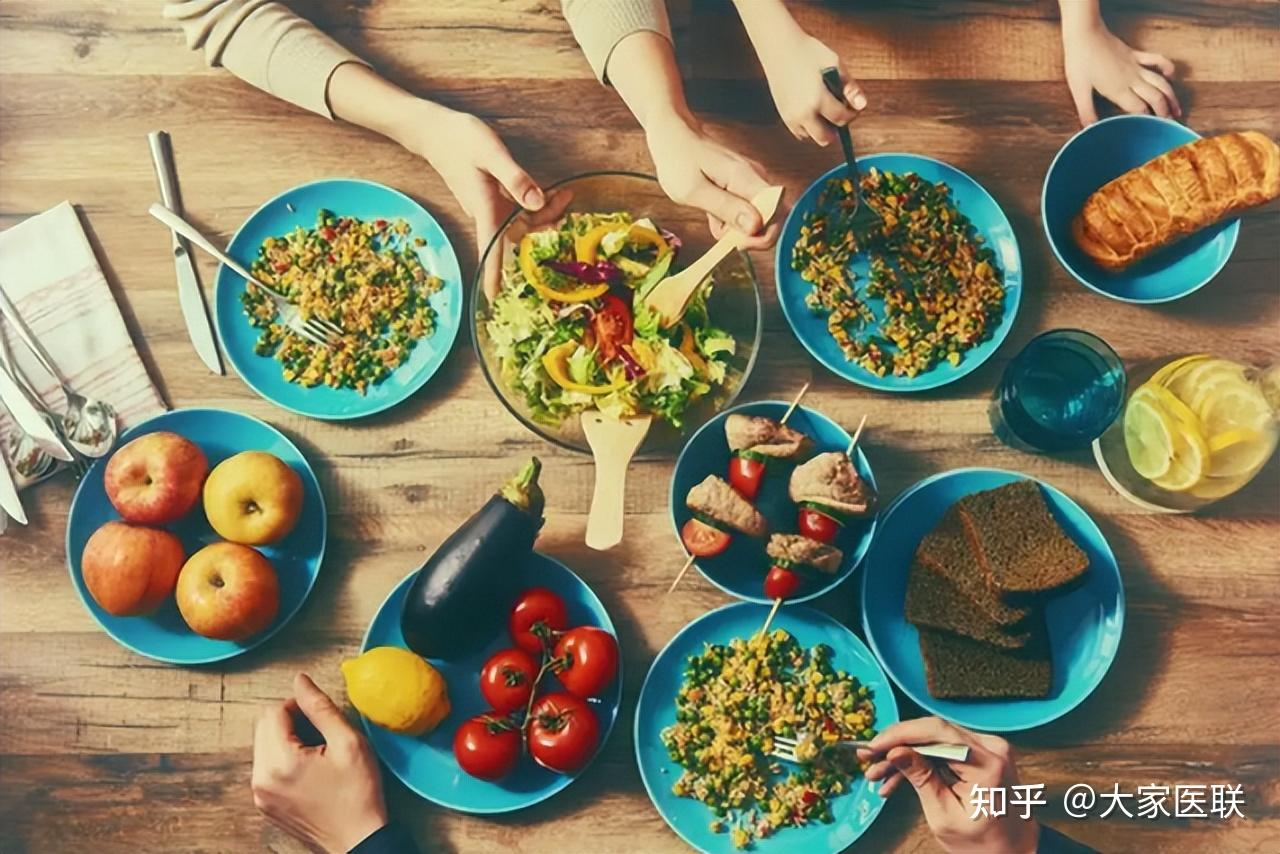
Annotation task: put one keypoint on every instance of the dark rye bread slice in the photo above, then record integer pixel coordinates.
(946, 551)
(1019, 545)
(934, 602)
(960, 668)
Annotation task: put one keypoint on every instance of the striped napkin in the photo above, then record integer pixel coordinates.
(48, 270)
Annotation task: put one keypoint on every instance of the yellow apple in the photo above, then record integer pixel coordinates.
(227, 591)
(253, 498)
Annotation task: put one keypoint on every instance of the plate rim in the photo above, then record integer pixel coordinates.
(256, 640)
(926, 702)
(409, 390)
(811, 612)
(565, 779)
(1232, 229)
(868, 539)
(861, 376)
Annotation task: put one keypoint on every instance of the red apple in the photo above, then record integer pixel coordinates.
(228, 591)
(156, 478)
(130, 570)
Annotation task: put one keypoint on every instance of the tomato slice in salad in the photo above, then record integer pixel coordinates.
(613, 327)
(745, 475)
(702, 540)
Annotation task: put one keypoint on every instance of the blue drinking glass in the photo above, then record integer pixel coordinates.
(1060, 393)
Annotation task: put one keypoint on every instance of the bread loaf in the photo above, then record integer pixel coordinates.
(1176, 194)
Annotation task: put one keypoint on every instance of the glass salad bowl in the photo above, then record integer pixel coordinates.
(578, 338)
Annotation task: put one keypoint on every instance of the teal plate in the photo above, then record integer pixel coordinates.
(164, 635)
(988, 220)
(426, 765)
(297, 207)
(852, 812)
(1085, 624)
(741, 569)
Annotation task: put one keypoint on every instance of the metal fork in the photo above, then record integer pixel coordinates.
(317, 330)
(20, 445)
(865, 219)
(785, 748)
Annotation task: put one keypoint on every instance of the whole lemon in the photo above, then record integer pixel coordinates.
(397, 690)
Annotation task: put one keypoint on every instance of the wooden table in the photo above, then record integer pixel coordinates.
(101, 747)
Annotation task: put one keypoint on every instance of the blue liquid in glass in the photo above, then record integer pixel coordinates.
(1058, 394)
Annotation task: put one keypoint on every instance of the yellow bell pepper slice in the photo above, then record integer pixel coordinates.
(533, 275)
(587, 246)
(689, 347)
(556, 363)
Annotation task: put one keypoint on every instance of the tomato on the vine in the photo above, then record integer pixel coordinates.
(563, 732)
(538, 615)
(507, 679)
(703, 540)
(586, 661)
(487, 747)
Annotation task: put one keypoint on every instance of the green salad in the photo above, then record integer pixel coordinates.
(571, 330)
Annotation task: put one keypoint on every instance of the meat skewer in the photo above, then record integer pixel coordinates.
(831, 482)
(748, 472)
(755, 440)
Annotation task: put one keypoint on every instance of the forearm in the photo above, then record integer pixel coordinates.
(357, 94)
(265, 44)
(765, 21)
(1078, 15)
(599, 26)
(643, 69)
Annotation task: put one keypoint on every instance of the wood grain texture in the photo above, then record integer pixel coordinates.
(97, 743)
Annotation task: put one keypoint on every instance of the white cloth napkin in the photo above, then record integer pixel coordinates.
(48, 270)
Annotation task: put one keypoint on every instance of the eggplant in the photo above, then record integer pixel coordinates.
(458, 599)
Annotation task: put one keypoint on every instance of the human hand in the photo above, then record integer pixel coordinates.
(1134, 80)
(695, 170)
(330, 795)
(945, 788)
(474, 163)
(793, 63)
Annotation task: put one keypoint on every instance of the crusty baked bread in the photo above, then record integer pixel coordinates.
(934, 602)
(1176, 194)
(946, 550)
(957, 667)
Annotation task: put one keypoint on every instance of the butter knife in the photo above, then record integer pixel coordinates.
(190, 297)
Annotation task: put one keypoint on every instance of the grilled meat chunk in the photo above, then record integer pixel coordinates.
(719, 502)
(802, 551)
(765, 437)
(830, 479)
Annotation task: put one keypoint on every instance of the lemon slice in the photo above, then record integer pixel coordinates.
(1194, 378)
(1147, 436)
(1234, 406)
(1238, 452)
(1189, 454)
(1213, 488)
(1167, 373)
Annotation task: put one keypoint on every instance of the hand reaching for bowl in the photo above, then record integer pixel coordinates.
(1096, 60)
(329, 795)
(945, 788)
(793, 63)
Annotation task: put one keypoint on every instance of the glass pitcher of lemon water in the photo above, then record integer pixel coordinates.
(1194, 430)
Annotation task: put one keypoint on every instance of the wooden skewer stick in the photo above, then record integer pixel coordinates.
(792, 408)
(853, 443)
(688, 563)
(769, 619)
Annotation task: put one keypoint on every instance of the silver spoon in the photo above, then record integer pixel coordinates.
(89, 424)
(28, 460)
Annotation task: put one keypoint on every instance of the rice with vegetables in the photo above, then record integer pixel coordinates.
(943, 293)
(735, 699)
(365, 277)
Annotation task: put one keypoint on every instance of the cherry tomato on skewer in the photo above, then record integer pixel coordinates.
(746, 474)
(818, 525)
(781, 582)
(703, 540)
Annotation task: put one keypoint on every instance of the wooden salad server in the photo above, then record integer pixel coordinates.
(670, 297)
(613, 443)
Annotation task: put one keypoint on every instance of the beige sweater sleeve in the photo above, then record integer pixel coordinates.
(263, 43)
(599, 25)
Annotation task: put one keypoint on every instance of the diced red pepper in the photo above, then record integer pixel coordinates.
(809, 796)
(379, 224)
(328, 234)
